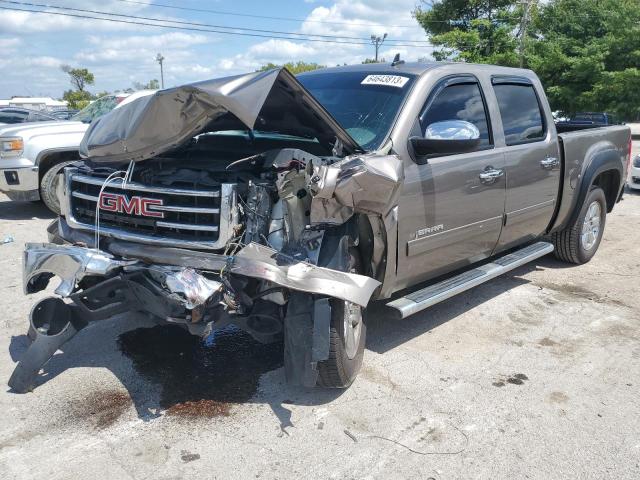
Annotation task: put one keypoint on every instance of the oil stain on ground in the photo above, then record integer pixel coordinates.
(515, 379)
(200, 378)
(100, 408)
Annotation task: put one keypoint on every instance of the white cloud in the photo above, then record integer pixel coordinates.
(344, 18)
(9, 44)
(55, 20)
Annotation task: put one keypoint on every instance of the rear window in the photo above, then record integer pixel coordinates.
(521, 114)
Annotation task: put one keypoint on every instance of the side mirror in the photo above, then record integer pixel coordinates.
(446, 138)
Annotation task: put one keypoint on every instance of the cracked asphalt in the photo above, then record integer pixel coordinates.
(534, 375)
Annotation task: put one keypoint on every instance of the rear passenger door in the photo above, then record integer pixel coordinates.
(532, 160)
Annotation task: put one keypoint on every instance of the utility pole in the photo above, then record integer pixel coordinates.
(523, 29)
(377, 41)
(160, 59)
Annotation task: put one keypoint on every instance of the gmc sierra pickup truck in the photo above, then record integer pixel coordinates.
(285, 205)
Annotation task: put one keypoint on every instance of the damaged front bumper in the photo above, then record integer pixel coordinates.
(97, 285)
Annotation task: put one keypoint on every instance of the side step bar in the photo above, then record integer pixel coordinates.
(417, 301)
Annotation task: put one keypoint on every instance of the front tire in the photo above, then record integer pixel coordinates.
(49, 186)
(578, 242)
(347, 337)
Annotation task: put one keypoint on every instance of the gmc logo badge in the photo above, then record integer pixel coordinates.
(117, 202)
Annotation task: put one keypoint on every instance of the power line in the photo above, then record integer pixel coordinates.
(272, 33)
(266, 17)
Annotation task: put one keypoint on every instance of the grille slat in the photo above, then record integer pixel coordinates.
(198, 217)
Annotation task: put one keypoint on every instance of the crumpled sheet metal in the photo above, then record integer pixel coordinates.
(367, 184)
(154, 124)
(195, 289)
(258, 261)
(70, 263)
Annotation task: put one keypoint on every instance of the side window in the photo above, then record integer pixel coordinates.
(36, 117)
(521, 113)
(12, 116)
(461, 101)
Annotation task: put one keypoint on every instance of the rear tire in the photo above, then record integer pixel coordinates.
(578, 242)
(49, 185)
(347, 337)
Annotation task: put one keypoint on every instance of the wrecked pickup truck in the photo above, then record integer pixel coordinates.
(285, 205)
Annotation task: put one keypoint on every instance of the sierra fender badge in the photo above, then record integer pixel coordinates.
(429, 230)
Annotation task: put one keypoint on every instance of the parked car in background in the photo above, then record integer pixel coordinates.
(284, 205)
(32, 154)
(64, 114)
(634, 174)
(584, 120)
(13, 115)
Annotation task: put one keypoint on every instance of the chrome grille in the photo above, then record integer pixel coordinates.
(199, 217)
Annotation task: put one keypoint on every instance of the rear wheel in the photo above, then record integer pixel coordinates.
(49, 186)
(347, 338)
(579, 242)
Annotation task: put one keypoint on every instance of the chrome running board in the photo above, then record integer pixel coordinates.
(418, 301)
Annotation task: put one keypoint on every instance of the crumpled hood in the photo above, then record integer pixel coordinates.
(272, 101)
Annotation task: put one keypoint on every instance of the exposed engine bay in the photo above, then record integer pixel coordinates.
(263, 231)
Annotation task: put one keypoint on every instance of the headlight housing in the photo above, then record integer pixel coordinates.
(636, 161)
(11, 146)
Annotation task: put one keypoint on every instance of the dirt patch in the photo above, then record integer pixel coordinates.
(200, 377)
(558, 397)
(547, 342)
(576, 291)
(100, 408)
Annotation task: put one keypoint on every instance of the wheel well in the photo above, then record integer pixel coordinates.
(609, 182)
(53, 158)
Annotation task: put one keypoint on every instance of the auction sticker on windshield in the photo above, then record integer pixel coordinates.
(388, 80)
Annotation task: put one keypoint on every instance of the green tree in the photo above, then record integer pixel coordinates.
(77, 99)
(588, 55)
(293, 67)
(153, 84)
(80, 77)
(478, 31)
(373, 60)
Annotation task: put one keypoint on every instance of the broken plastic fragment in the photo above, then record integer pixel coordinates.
(195, 288)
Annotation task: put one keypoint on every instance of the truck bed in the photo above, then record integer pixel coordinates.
(577, 149)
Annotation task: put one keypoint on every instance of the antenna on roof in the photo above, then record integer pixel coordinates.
(396, 60)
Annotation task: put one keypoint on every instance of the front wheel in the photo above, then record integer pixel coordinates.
(49, 186)
(347, 338)
(578, 242)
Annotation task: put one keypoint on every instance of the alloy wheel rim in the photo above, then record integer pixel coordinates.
(591, 226)
(352, 328)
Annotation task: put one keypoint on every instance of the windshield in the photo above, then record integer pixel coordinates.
(365, 104)
(95, 109)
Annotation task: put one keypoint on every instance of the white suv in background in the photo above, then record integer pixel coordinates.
(31, 154)
(634, 173)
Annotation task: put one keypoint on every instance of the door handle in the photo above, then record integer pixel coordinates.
(490, 175)
(549, 163)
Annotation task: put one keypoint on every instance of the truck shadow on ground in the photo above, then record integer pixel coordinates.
(167, 371)
(23, 210)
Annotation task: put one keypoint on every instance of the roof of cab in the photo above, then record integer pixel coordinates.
(413, 68)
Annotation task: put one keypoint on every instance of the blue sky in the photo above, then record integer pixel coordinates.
(33, 46)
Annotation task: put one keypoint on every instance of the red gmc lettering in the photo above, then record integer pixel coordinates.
(113, 202)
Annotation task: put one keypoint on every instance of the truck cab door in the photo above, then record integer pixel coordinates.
(532, 160)
(451, 207)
